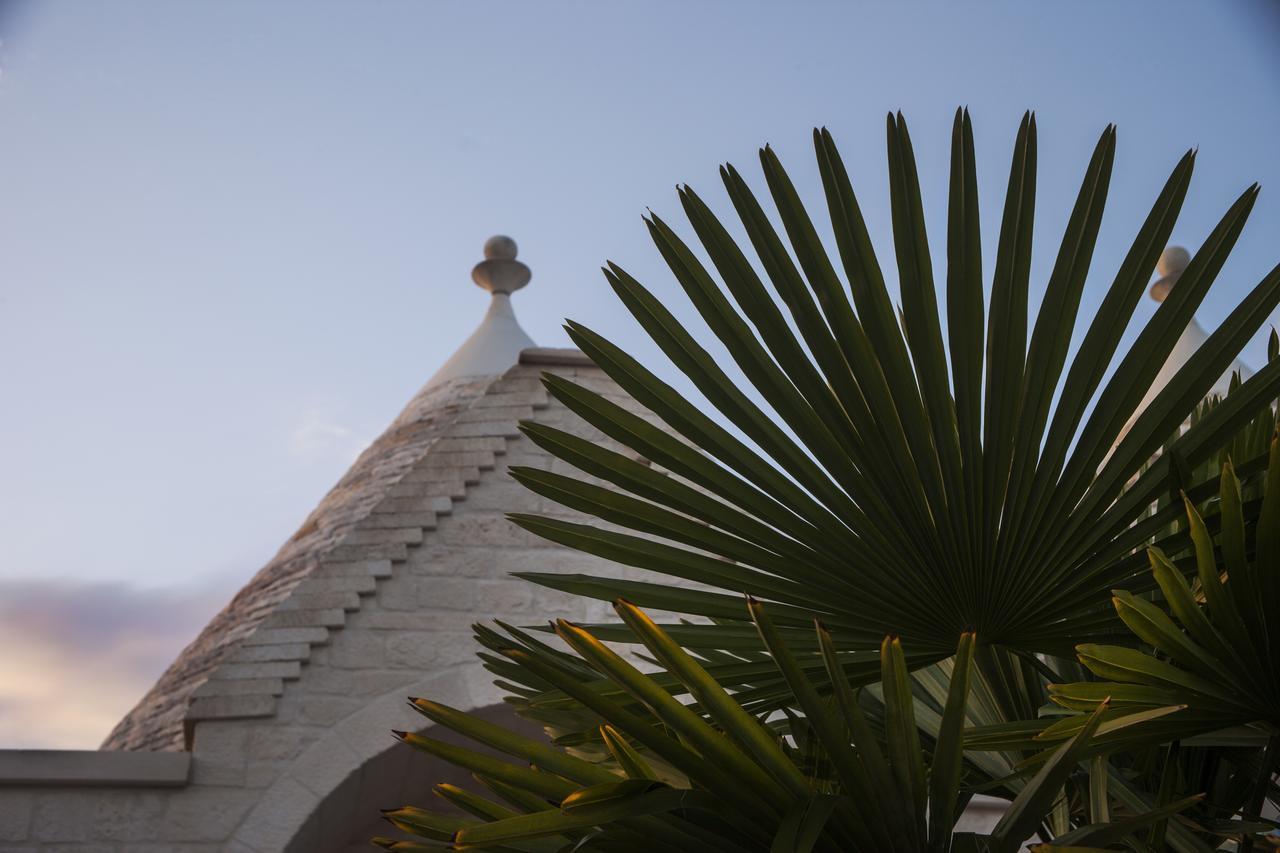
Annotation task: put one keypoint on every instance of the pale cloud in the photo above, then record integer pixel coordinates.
(319, 437)
(76, 656)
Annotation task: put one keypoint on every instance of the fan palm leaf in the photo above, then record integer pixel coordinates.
(1222, 656)
(714, 776)
(873, 471)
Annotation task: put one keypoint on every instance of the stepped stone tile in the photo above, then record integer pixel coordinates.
(241, 687)
(371, 551)
(264, 654)
(428, 504)
(517, 411)
(508, 399)
(328, 618)
(467, 474)
(501, 428)
(321, 600)
(384, 535)
(266, 669)
(363, 584)
(231, 707)
(455, 444)
(482, 459)
(420, 520)
(348, 568)
(268, 636)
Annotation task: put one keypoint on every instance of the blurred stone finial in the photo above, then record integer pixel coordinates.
(1173, 262)
(497, 342)
(500, 272)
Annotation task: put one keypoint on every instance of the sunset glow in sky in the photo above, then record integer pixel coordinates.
(236, 237)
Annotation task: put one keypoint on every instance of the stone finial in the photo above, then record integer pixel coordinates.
(500, 272)
(1173, 262)
(497, 342)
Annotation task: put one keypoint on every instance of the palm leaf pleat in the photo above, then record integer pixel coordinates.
(873, 471)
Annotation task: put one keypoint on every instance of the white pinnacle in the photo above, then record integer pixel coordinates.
(1172, 264)
(497, 342)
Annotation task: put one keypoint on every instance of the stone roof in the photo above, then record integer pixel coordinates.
(357, 528)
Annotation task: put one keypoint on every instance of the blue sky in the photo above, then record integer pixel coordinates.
(236, 237)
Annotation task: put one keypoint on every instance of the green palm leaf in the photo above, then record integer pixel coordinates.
(723, 779)
(879, 483)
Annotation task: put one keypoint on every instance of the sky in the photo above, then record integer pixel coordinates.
(236, 237)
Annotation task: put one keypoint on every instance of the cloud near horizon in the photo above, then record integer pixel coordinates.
(318, 437)
(75, 656)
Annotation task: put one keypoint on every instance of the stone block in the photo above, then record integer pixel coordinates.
(324, 765)
(93, 768)
(321, 600)
(241, 687)
(466, 444)
(356, 649)
(280, 743)
(231, 707)
(510, 595)
(503, 494)
(506, 399)
(359, 568)
(274, 636)
(15, 814)
(382, 535)
(326, 618)
(446, 593)
(263, 669)
(63, 816)
(282, 810)
(354, 682)
(413, 620)
(525, 452)
(218, 753)
(314, 709)
(505, 407)
(409, 489)
(120, 816)
(395, 551)
(486, 529)
(364, 585)
(497, 428)
(517, 383)
(207, 815)
(435, 474)
(266, 654)
(424, 650)
(420, 520)
(480, 459)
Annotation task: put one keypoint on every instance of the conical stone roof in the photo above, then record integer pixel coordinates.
(368, 519)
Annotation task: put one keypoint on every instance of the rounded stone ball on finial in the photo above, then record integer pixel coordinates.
(500, 272)
(1172, 264)
(1173, 260)
(500, 247)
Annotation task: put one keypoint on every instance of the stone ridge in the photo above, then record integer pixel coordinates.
(237, 665)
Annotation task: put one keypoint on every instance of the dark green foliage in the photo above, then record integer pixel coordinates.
(882, 489)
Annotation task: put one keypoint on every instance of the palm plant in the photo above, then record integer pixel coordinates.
(986, 485)
(1223, 664)
(730, 781)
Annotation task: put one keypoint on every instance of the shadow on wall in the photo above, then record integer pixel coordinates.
(345, 820)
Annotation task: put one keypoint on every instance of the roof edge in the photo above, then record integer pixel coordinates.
(556, 356)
